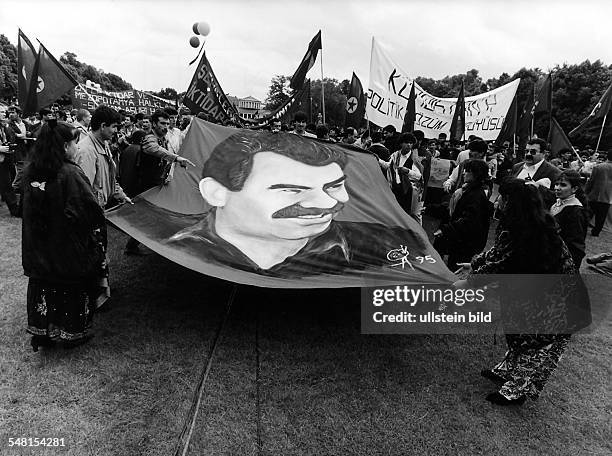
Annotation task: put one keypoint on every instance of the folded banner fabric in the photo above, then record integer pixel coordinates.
(389, 92)
(279, 210)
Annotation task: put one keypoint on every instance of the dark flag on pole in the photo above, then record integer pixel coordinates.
(205, 94)
(355, 104)
(536, 104)
(599, 111)
(557, 139)
(410, 116)
(26, 58)
(457, 129)
(544, 101)
(297, 80)
(524, 122)
(508, 129)
(50, 80)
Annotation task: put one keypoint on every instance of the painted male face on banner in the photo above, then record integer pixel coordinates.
(281, 198)
(273, 209)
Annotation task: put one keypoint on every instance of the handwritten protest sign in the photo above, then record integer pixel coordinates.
(390, 88)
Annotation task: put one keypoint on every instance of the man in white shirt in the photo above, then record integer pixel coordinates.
(537, 171)
(404, 172)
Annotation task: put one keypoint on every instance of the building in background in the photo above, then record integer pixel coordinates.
(248, 107)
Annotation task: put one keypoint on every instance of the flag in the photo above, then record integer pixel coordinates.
(457, 129)
(355, 104)
(410, 115)
(205, 94)
(50, 80)
(297, 80)
(26, 58)
(544, 101)
(363, 241)
(557, 138)
(508, 129)
(599, 111)
(524, 123)
(535, 104)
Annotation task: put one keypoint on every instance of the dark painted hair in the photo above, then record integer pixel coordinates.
(231, 160)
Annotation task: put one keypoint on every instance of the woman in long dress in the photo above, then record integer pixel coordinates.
(531, 255)
(62, 250)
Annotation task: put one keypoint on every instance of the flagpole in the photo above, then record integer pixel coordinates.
(601, 132)
(309, 103)
(578, 156)
(533, 115)
(322, 88)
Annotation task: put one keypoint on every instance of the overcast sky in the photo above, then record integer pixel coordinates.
(146, 41)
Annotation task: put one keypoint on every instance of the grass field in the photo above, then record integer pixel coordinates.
(320, 388)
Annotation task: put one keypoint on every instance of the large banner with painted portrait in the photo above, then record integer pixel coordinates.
(279, 210)
(390, 88)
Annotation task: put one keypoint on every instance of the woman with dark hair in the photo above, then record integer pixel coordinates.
(536, 323)
(466, 233)
(571, 214)
(61, 247)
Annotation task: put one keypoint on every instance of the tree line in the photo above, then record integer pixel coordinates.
(576, 89)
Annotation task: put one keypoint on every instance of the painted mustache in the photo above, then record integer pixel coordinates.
(296, 210)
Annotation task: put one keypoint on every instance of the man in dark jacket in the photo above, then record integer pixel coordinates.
(537, 171)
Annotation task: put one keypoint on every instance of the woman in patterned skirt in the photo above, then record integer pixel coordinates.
(62, 252)
(537, 323)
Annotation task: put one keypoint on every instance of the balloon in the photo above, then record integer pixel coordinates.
(195, 28)
(194, 41)
(203, 28)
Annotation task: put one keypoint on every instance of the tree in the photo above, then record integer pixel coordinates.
(576, 90)
(279, 91)
(83, 72)
(8, 68)
(168, 93)
(335, 100)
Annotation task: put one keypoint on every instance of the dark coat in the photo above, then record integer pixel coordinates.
(129, 177)
(545, 170)
(468, 229)
(60, 219)
(573, 222)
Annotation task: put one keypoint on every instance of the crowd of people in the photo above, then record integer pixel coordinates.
(60, 170)
(544, 206)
